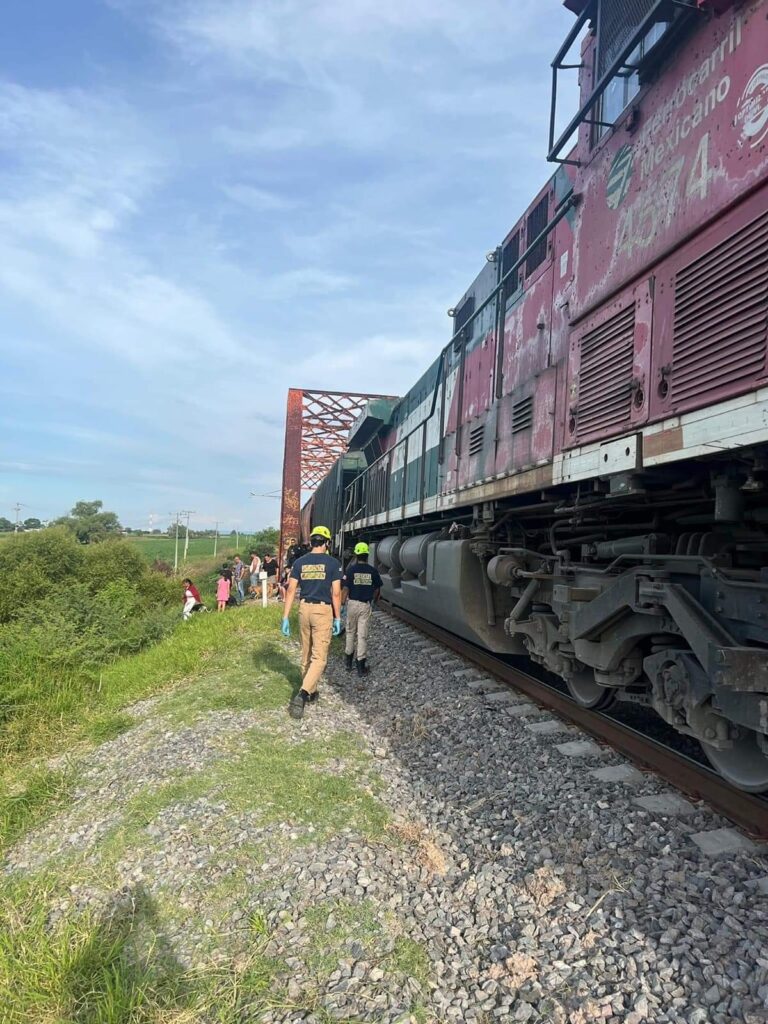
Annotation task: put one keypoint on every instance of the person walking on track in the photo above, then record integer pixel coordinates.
(318, 575)
(361, 587)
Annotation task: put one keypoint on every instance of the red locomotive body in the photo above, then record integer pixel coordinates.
(580, 476)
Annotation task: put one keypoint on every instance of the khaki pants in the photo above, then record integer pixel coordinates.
(358, 620)
(315, 625)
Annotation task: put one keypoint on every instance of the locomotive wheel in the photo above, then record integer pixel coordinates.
(588, 693)
(744, 764)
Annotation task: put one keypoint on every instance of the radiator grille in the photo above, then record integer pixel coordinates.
(605, 375)
(522, 415)
(721, 316)
(476, 439)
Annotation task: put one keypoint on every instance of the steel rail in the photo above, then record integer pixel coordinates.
(747, 811)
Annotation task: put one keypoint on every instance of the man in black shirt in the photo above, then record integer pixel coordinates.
(361, 587)
(319, 577)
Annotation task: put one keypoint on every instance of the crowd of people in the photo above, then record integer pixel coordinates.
(236, 581)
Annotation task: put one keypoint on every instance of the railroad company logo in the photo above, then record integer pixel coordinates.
(752, 114)
(619, 177)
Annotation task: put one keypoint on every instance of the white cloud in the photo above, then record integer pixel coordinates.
(259, 200)
(84, 170)
(272, 35)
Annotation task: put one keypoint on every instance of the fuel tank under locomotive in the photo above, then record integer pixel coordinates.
(445, 582)
(639, 619)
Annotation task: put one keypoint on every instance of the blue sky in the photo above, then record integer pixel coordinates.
(206, 202)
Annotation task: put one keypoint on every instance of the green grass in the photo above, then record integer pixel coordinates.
(81, 970)
(332, 925)
(311, 783)
(28, 798)
(266, 681)
(106, 726)
(114, 965)
(82, 706)
(87, 714)
(410, 959)
(314, 782)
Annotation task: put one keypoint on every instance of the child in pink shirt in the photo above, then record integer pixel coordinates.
(222, 591)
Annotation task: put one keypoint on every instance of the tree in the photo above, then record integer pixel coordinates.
(5, 525)
(265, 540)
(89, 524)
(32, 523)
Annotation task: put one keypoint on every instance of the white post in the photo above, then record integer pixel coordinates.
(186, 539)
(176, 549)
(263, 578)
(215, 540)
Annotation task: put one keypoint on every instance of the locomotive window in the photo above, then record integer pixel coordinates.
(626, 84)
(537, 220)
(463, 314)
(510, 254)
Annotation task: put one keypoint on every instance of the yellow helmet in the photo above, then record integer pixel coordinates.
(320, 531)
(361, 548)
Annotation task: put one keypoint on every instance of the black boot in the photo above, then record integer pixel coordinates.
(348, 659)
(362, 668)
(296, 707)
(314, 697)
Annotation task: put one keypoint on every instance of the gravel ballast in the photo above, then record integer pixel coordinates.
(520, 879)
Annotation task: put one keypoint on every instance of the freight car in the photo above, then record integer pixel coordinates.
(581, 474)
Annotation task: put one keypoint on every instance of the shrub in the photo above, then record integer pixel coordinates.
(30, 563)
(65, 612)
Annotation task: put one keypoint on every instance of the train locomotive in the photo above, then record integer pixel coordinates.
(581, 476)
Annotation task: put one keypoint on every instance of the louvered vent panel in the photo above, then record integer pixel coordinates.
(476, 440)
(605, 376)
(522, 415)
(721, 316)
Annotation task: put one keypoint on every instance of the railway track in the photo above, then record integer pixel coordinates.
(747, 811)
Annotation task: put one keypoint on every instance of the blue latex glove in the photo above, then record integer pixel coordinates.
(286, 627)
(336, 627)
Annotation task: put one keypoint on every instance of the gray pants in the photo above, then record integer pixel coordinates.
(358, 620)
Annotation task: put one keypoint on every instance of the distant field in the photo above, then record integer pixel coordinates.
(199, 547)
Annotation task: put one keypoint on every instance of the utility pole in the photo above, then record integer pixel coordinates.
(176, 549)
(216, 538)
(237, 538)
(186, 539)
(17, 509)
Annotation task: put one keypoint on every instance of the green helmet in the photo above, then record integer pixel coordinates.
(361, 548)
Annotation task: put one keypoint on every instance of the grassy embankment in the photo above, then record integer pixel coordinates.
(84, 634)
